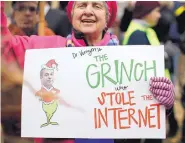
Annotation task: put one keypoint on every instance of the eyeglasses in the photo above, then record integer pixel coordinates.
(25, 8)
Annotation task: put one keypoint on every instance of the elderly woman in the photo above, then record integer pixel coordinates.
(90, 22)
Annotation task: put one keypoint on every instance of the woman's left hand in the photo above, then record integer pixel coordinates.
(163, 90)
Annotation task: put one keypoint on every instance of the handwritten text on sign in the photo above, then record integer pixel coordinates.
(118, 98)
(108, 85)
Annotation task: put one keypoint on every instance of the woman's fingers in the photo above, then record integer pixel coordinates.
(160, 79)
(164, 97)
(161, 85)
(160, 92)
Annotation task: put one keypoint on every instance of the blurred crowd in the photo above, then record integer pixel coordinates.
(167, 27)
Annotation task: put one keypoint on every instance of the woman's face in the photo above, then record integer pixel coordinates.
(89, 17)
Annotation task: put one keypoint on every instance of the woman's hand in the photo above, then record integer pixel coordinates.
(163, 90)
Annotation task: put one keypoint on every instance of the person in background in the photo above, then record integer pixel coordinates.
(180, 17)
(163, 30)
(54, 18)
(173, 45)
(84, 16)
(145, 16)
(126, 18)
(63, 5)
(25, 19)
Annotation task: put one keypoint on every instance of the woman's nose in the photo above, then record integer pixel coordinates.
(88, 10)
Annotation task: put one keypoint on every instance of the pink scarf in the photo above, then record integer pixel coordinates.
(108, 40)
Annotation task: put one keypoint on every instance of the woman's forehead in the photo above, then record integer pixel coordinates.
(96, 2)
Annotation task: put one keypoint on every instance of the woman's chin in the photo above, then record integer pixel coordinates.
(90, 31)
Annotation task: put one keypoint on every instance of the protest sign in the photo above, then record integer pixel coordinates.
(94, 92)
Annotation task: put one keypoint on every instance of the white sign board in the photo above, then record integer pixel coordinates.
(94, 92)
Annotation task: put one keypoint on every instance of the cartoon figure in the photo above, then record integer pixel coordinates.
(48, 94)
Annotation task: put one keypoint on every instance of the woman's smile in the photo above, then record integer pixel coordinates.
(88, 22)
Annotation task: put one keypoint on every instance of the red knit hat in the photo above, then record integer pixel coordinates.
(142, 8)
(112, 8)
